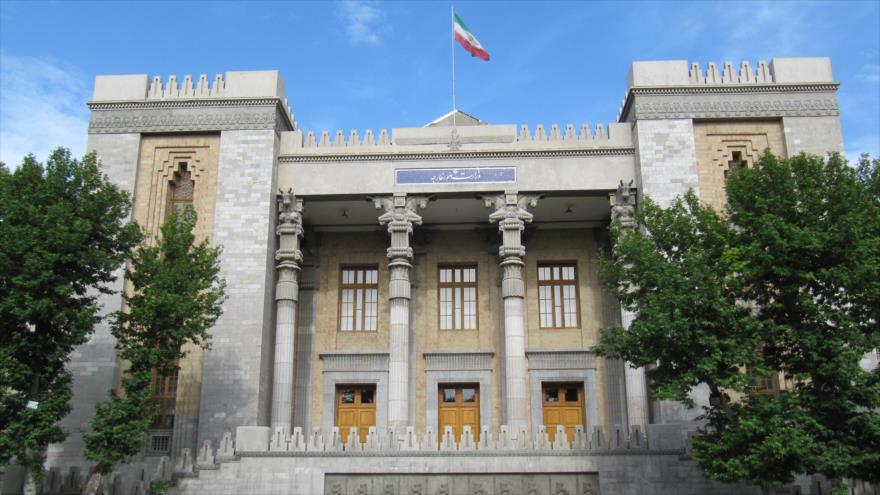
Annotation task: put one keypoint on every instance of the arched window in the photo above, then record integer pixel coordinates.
(182, 188)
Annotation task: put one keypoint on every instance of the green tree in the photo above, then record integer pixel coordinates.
(63, 231)
(175, 298)
(788, 281)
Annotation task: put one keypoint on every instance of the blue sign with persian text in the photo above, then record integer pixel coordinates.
(458, 175)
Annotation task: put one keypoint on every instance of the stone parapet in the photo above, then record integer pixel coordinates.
(458, 139)
(783, 88)
(262, 441)
(240, 100)
(657, 73)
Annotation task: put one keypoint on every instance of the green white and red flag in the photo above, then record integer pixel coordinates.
(463, 35)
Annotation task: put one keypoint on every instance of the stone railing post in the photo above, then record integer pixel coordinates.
(623, 204)
(289, 257)
(400, 216)
(511, 214)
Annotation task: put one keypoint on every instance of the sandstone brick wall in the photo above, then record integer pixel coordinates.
(717, 141)
(447, 247)
(160, 158)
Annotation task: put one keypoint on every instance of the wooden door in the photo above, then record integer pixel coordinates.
(355, 406)
(459, 406)
(563, 405)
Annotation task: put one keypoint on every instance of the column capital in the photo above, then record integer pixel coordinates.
(511, 207)
(623, 204)
(400, 216)
(289, 229)
(511, 213)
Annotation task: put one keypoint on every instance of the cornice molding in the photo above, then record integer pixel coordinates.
(201, 102)
(723, 89)
(206, 114)
(188, 119)
(452, 155)
(794, 90)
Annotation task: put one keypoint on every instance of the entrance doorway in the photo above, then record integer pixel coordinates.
(563, 405)
(459, 406)
(355, 406)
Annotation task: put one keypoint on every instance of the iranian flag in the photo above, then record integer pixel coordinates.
(463, 35)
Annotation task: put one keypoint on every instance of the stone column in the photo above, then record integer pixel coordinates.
(623, 202)
(289, 257)
(400, 216)
(512, 215)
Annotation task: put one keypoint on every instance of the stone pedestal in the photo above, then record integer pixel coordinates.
(400, 216)
(511, 215)
(289, 257)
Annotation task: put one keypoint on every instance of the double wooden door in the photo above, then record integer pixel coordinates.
(355, 406)
(459, 406)
(563, 405)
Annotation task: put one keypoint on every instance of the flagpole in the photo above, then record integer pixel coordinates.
(452, 46)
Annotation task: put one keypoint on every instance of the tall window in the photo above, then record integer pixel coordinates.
(557, 295)
(164, 396)
(164, 387)
(182, 188)
(358, 299)
(458, 297)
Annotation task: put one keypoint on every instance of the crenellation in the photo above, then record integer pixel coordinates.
(496, 136)
(727, 75)
(539, 133)
(779, 71)
(254, 84)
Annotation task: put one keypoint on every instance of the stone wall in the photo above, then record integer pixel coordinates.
(666, 159)
(816, 135)
(237, 373)
(93, 364)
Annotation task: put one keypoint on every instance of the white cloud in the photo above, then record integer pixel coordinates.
(42, 106)
(869, 73)
(864, 144)
(776, 29)
(363, 22)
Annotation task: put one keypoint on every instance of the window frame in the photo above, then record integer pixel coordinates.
(558, 283)
(462, 285)
(174, 202)
(355, 286)
(163, 394)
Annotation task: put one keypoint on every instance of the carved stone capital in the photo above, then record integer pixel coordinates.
(289, 230)
(400, 216)
(511, 213)
(623, 204)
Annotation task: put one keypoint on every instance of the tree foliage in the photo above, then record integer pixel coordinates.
(788, 281)
(63, 231)
(175, 298)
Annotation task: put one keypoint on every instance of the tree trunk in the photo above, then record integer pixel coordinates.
(30, 484)
(93, 487)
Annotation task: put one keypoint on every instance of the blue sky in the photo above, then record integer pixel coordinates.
(372, 65)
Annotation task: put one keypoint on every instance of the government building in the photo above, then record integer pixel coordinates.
(414, 311)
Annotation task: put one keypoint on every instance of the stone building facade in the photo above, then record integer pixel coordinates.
(414, 311)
